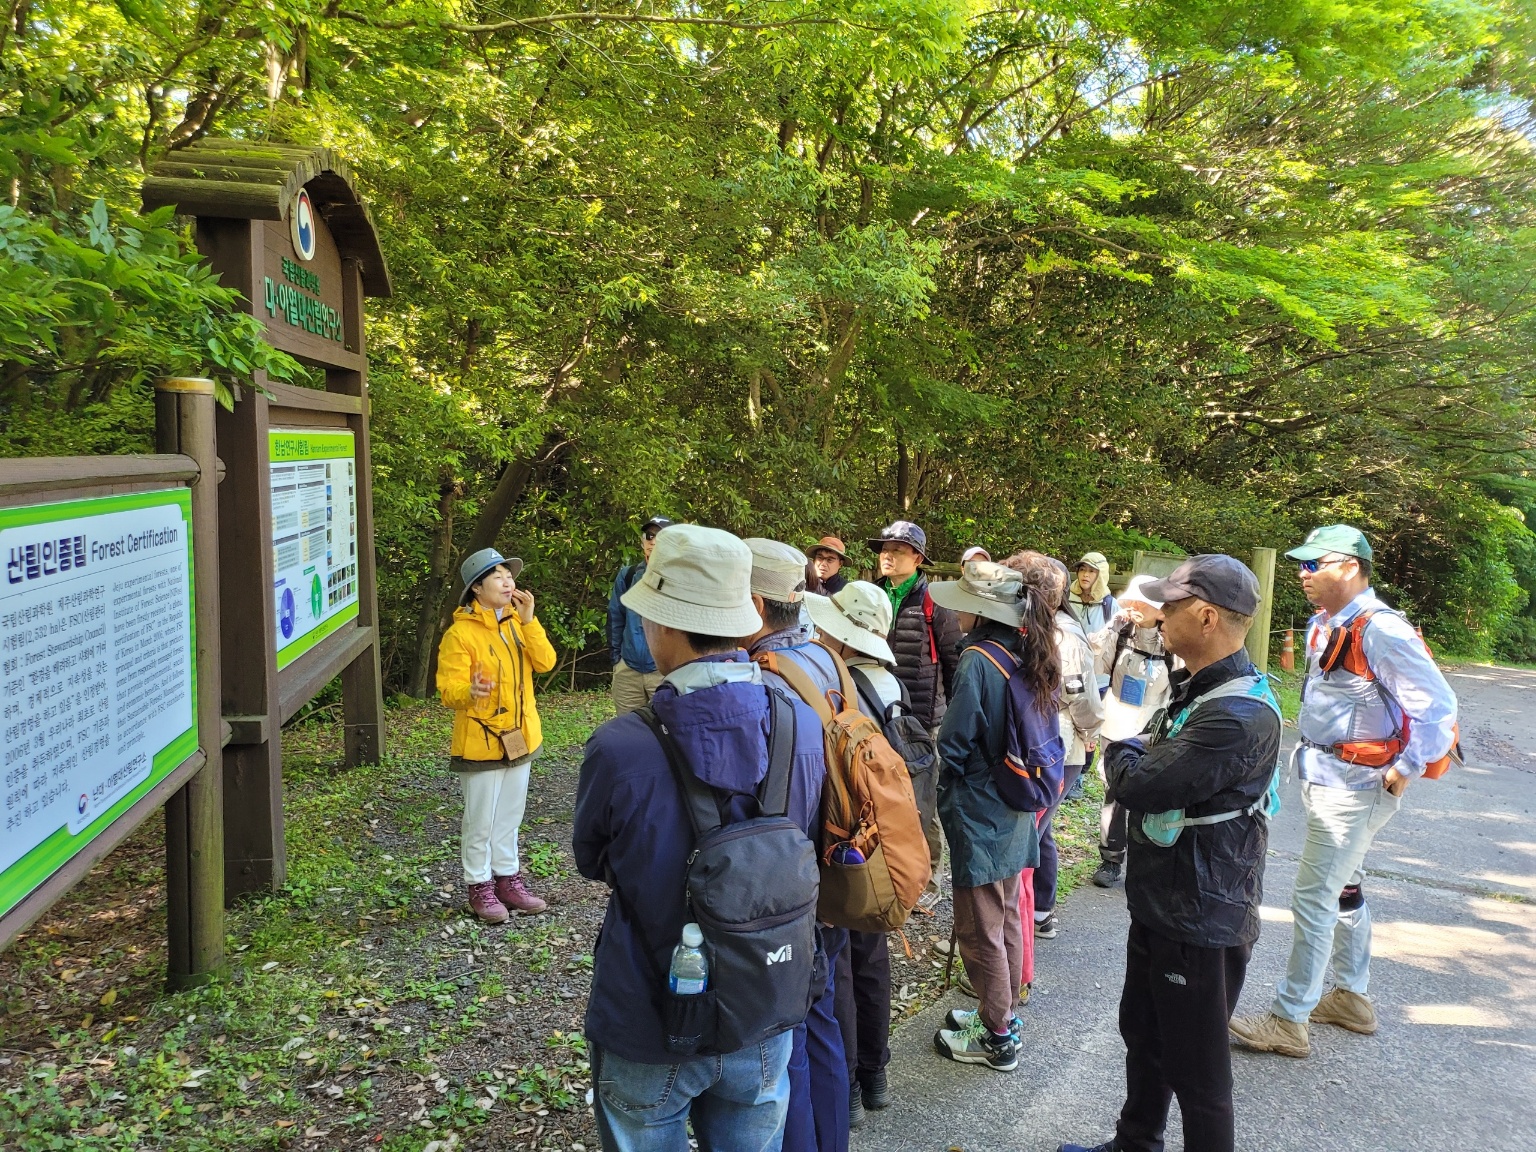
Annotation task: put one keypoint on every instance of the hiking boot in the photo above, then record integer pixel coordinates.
(963, 982)
(1346, 1009)
(940, 948)
(959, 1019)
(855, 1106)
(1047, 929)
(977, 1045)
(1024, 990)
(930, 899)
(1076, 791)
(514, 894)
(1108, 874)
(877, 1092)
(1269, 1033)
(483, 903)
(1107, 1147)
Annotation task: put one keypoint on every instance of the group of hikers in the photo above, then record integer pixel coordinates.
(793, 749)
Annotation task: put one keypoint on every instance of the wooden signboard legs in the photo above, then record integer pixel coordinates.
(194, 816)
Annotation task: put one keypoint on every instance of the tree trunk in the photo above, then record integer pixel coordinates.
(420, 682)
(493, 515)
(903, 476)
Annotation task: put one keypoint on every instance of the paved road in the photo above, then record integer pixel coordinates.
(1453, 888)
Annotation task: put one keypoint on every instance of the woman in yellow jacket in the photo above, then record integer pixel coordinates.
(485, 668)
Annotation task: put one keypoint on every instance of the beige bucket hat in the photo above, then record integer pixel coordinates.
(986, 589)
(698, 579)
(859, 615)
(778, 570)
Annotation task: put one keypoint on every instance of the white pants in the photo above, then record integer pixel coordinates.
(494, 801)
(1340, 827)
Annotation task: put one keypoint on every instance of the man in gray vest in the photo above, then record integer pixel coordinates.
(1375, 711)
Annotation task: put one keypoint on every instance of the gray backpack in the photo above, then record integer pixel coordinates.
(752, 887)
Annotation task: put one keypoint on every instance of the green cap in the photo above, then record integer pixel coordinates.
(1339, 539)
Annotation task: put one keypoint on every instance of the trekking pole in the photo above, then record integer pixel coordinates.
(949, 961)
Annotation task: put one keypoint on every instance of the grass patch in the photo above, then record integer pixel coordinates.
(362, 1006)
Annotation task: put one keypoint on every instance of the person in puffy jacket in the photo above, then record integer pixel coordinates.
(485, 667)
(925, 639)
(1194, 903)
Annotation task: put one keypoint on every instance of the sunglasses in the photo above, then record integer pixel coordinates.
(1312, 566)
(652, 533)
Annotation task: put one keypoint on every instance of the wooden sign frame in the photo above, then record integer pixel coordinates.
(285, 227)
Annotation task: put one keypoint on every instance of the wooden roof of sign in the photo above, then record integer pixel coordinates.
(248, 180)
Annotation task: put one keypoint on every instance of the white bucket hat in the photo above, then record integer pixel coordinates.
(985, 589)
(859, 615)
(698, 580)
(778, 570)
(1136, 589)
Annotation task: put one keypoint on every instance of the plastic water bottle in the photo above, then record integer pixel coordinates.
(689, 975)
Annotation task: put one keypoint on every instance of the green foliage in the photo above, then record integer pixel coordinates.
(1169, 275)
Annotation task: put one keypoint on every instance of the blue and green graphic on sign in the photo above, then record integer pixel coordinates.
(314, 536)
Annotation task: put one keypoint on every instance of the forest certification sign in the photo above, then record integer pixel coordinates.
(99, 670)
(314, 536)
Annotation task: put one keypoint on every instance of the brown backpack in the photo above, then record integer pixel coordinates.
(874, 858)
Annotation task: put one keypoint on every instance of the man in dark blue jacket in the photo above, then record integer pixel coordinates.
(1192, 786)
(632, 831)
(634, 671)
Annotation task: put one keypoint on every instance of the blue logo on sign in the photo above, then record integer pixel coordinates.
(301, 220)
(285, 614)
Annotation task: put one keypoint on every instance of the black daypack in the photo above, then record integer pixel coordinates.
(911, 740)
(752, 888)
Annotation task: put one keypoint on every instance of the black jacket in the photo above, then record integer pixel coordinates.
(1206, 889)
(927, 682)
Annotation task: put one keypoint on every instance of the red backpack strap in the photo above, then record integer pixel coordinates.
(933, 644)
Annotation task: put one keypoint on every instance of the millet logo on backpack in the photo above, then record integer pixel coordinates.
(782, 955)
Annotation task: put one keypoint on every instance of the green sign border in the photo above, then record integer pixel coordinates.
(24, 876)
(319, 445)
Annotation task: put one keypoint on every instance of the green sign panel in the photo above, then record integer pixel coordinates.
(99, 664)
(314, 536)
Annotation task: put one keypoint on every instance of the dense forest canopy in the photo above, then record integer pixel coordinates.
(1188, 274)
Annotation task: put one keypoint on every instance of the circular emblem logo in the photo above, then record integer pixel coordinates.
(301, 222)
(83, 803)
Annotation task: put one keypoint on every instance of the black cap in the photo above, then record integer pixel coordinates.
(1218, 580)
(654, 524)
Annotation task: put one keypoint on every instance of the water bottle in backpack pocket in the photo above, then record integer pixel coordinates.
(752, 888)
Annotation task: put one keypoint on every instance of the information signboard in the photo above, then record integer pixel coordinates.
(99, 698)
(314, 536)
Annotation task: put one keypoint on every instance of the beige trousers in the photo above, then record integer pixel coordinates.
(632, 689)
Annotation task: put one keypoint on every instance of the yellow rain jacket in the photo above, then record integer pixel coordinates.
(509, 654)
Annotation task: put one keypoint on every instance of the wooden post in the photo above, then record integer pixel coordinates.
(194, 816)
(362, 682)
(1258, 635)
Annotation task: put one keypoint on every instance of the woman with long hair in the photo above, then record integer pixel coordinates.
(1009, 635)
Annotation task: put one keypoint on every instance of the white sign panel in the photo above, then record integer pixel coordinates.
(314, 536)
(97, 655)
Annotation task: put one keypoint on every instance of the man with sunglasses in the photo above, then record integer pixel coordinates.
(1374, 712)
(635, 676)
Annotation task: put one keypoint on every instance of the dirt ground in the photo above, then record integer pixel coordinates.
(363, 1007)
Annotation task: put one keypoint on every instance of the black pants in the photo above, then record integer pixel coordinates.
(1173, 1016)
(864, 1002)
